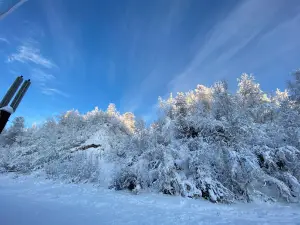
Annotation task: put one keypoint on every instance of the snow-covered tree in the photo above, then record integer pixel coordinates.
(128, 119)
(223, 103)
(249, 91)
(15, 131)
(206, 143)
(294, 87)
(112, 110)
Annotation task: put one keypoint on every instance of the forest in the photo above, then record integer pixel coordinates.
(208, 143)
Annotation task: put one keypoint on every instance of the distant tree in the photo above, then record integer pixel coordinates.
(294, 87)
(280, 97)
(167, 107)
(180, 105)
(203, 95)
(249, 91)
(222, 101)
(112, 110)
(128, 119)
(15, 131)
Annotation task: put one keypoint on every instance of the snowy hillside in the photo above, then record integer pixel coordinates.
(30, 200)
(206, 144)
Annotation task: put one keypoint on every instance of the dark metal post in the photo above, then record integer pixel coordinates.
(5, 110)
(11, 91)
(15, 103)
(4, 116)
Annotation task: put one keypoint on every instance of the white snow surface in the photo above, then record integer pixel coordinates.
(33, 200)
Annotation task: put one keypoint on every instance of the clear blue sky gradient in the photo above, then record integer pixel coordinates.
(82, 54)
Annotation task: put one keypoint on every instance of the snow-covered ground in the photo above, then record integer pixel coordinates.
(31, 200)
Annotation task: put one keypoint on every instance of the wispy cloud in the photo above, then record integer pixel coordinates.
(280, 40)
(54, 91)
(4, 40)
(176, 14)
(150, 43)
(41, 69)
(64, 33)
(41, 77)
(45, 82)
(9, 8)
(228, 37)
(221, 52)
(29, 54)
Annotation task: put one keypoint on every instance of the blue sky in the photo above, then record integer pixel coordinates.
(82, 54)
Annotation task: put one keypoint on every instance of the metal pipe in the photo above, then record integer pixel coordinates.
(11, 91)
(20, 95)
(4, 116)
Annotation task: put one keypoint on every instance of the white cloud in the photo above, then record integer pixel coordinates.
(10, 8)
(227, 39)
(41, 68)
(43, 80)
(41, 77)
(149, 44)
(176, 14)
(65, 34)
(54, 91)
(4, 40)
(29, 54)
(283, 38)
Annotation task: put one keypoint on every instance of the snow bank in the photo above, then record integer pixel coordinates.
(29, 200)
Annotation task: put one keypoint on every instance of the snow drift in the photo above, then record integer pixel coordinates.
(38, 201)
